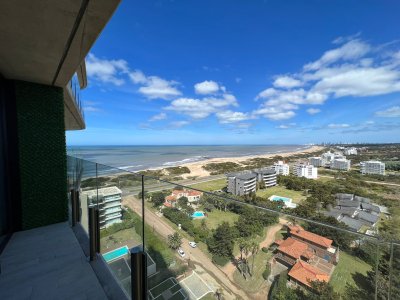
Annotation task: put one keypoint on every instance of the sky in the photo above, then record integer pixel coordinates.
(189, 72)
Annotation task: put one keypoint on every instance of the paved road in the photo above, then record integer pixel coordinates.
(162, 185)
(194, 254)
(368, 181)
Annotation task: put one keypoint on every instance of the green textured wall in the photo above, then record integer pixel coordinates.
(42, 154)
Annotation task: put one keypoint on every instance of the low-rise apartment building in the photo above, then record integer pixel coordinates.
(341, 164)
(350, 151)
(305, 170)
(372, 167)
(267, 175)
(242, 183)
(317, 161)
(109, 204)
(281, 168)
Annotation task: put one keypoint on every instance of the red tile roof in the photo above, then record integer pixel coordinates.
(167, 204)
(298, 231)
(187, 192)
(170, 198)
(306, 273)
(293, 248)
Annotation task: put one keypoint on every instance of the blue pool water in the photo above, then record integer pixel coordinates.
(109, 256)
(279, 198)
(198, 214)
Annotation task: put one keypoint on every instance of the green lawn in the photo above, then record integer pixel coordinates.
(210, 186)
(216, 217)
(297, 196)
(254, 283)
(121, 238)
(348, 266)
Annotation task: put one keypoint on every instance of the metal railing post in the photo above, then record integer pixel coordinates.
(143, 198)
(77, 207)
(73, 207)
(97, 227)
(138, 273)
(390, 270)
(92, 232)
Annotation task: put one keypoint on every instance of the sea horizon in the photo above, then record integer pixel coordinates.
(143, 157)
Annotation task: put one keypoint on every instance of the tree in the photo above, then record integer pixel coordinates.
(183, 202)
(321, 290)
(254, 248)
(218, 293)
(222, 241)
(145, 194)
(174, 240)
(157, 198)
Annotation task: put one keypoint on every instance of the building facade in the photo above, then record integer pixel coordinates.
(350, 151)
(305, 170)
(281, 168)
(266, 175)
(109, 204)
(242, 183)
(316, 161)
(372, 167)
(340, 164)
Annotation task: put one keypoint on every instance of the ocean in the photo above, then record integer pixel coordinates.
(136, 158)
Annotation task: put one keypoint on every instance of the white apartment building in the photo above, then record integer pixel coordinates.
(242, 183)
(350, 151)
(328, 156)
(109, 203)
(372, 167)
(281, 168)
(340, 164)
(305, 170)
(316, 161)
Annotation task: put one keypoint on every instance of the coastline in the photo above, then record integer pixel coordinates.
(197, 170)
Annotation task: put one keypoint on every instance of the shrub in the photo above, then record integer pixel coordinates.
(264, 249)
(266, 272)
(220, 260)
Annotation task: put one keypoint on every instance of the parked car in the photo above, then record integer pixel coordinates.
(181, 253)
(193, 244)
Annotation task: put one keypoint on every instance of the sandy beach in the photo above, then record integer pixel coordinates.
(197, 170)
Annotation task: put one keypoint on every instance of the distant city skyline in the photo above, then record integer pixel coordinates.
(260, 72)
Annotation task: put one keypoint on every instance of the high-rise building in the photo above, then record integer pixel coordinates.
(316, 161)
(372, 167)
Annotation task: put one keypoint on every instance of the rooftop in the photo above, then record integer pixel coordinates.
(293, 248)
(108, 191)
(352, 223)
(309, 236)
(306, 273)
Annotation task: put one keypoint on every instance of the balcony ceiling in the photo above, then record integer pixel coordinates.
(35, 36)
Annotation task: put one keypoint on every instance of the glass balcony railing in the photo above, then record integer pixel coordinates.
(74, 90)
(201, 244)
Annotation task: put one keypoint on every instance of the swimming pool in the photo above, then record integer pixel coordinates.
(198, 214)
(279, 198)
(114, 254)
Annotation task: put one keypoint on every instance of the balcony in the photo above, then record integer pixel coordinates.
(153, 230)
(74, 116)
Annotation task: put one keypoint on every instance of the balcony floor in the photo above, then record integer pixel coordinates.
(47, 263)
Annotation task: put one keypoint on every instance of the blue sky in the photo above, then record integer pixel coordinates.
(244, 72)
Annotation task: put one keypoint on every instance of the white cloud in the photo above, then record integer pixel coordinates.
(286, 82)
(154, 87)
(107, 71)
(238, 79)
(313, 111)
(351, 50)
(178, 124)
(229, 116)
(335, 126)
(158, 117)
(202, 108)
(392, 112)
(286, 126)
(206, 87)
(341, 72)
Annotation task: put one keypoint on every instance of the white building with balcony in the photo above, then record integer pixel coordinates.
(350, 151)
(341, 164)
(267, 175)
(109, 203)
(281, 168)
(305, 170)
(372, 167)
(242, 183)
(316, 161)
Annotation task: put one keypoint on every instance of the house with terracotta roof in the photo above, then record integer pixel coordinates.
(322, 246)
(307, 255)
(191, 195)
(303, 274)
